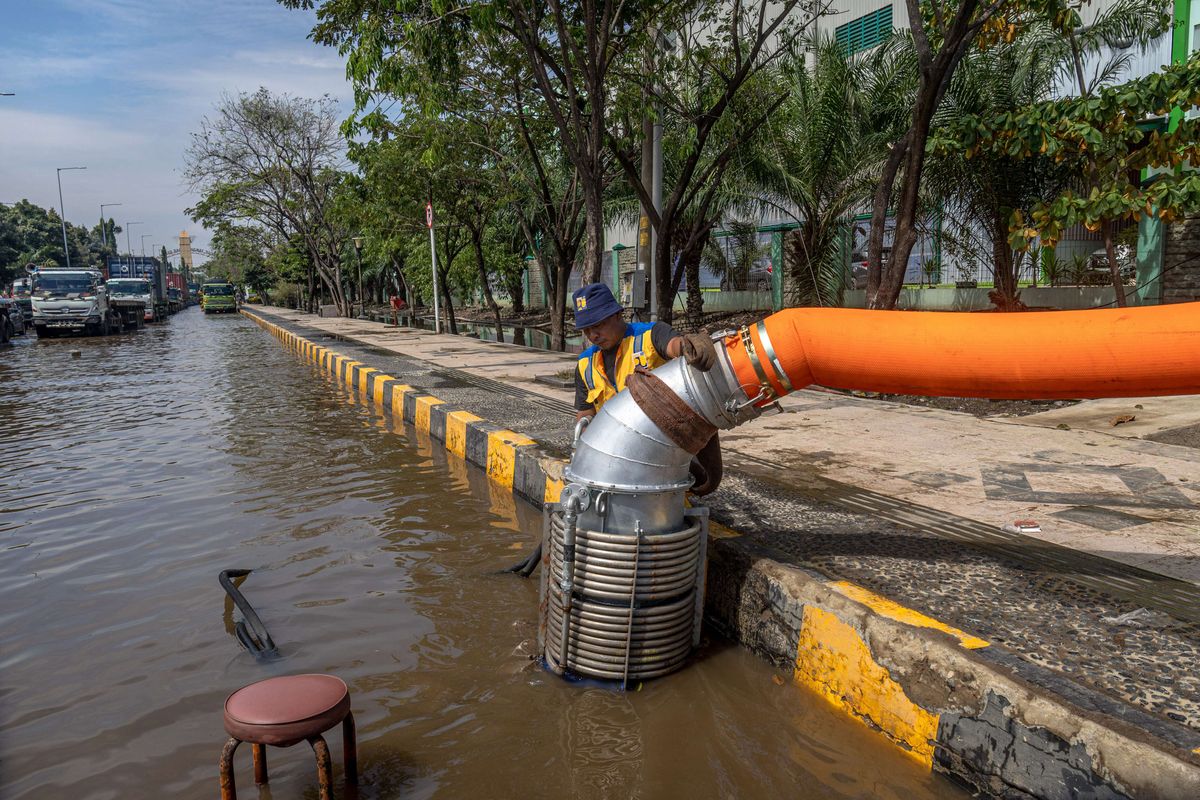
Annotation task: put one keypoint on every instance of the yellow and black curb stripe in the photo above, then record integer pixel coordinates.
(926, 686)
(510, 459)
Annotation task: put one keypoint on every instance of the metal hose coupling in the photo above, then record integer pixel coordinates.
(622, 588)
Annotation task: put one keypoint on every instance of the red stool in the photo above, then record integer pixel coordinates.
(285, 711)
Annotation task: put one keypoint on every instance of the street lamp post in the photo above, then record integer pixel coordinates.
(129, 245)
(362, 302)
(62, 214)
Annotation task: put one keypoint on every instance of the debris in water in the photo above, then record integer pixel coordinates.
(1133, 619)
(76, 353)
(1022, 526)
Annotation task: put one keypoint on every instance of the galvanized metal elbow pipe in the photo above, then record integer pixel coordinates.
(624, 559)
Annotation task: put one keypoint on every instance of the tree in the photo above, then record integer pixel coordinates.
(30, 234)
(822, 151)
(942, 31)
(1119, 132)
(1116, 28)
(983, 192)
(712, 85)
(274, 161)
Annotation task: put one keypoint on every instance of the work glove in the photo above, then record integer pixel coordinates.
(699, 351)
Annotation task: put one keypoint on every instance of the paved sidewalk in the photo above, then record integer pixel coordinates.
(908, 502)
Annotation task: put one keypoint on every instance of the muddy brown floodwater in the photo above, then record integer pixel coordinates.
(132, 474)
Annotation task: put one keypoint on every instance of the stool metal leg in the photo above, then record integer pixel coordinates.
(228, 788)
(349, 749)
(260, 764)
(324, 768)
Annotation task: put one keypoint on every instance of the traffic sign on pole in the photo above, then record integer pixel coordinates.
(429, 215)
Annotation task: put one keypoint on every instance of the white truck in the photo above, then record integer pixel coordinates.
(71, 301)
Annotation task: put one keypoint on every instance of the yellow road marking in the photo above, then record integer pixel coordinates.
(421, 415)
(892, 610)
(456, 431)
(364, 375)
(380, 384)
(398, 393)
(833, 661)
(502, 455)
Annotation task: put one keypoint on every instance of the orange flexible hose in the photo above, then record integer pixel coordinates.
(1118, 352)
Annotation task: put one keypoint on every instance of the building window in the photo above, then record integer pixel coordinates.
(865, 32)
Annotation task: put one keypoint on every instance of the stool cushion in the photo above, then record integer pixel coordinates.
(286, 710)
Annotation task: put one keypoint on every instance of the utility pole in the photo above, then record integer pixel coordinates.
(437, 324)
(62, 214)
(362, 302)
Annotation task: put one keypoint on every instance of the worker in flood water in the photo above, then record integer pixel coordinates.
(619, 347)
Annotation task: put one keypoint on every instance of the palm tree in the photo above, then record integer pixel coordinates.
(822, 154)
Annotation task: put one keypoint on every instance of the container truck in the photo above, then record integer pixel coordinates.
(144, 267)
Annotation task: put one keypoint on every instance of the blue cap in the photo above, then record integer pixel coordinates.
(594, 303)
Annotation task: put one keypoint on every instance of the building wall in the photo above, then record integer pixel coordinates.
(1181, 261)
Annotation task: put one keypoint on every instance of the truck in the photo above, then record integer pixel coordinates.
(219, 298)
(176, 291)
(21, 289)
(144, 267)
(132, 299)
(71, 301)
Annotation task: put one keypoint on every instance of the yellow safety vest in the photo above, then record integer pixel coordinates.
(636, 349)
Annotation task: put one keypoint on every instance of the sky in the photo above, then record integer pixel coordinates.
(118, 86)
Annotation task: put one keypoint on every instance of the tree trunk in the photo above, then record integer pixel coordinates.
(1004, 276)
(594, 250)
(695, 298)
(879, 207)
(477, 243)
(447, 301)
(1113, 267)
(664, 275)
(558, 306)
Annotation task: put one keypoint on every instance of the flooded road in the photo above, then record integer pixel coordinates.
(134, 473)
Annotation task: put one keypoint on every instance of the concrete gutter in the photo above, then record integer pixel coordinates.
(952, 701)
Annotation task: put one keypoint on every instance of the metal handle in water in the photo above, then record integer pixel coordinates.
(259, 643)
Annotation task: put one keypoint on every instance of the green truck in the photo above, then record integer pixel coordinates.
(218, 298)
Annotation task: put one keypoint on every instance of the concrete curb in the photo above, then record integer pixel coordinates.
(948, 699)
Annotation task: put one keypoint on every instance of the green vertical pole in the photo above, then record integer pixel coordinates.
(616, 272)
(525, 285)
(776, 270)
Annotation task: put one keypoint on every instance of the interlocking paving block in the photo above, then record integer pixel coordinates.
(1105, 519)
(1146, 487)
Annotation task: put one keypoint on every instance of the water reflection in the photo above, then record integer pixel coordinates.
(140, 470)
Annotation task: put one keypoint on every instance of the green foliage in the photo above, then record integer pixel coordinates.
(1115, 130)
(30, 234)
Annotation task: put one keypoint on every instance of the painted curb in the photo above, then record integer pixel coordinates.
(942, 696)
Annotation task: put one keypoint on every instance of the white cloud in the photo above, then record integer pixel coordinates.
(31, 136)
